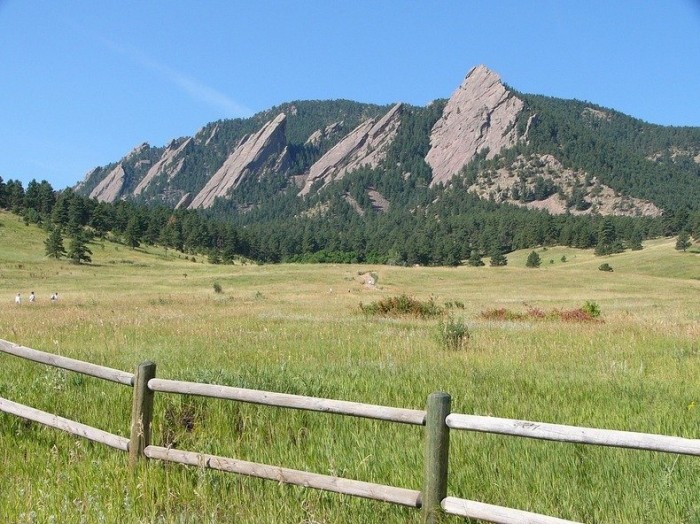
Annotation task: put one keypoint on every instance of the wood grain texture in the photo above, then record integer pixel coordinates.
(402, 496)
(105, 373)
(580, 435)
(498, 514)
(284, 400)
(64, 424)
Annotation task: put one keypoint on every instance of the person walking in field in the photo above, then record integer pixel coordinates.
(18, 299)
(32, 297)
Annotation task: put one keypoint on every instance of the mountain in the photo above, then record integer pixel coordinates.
(487, 140)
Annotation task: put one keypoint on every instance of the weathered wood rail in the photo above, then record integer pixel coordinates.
(436, 419)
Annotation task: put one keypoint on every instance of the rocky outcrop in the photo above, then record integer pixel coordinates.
(137, 151)
(521, 179)
(480, 114)
(109, 189)
(255, 154)
(326, 132)
(169, 164)
(379, 203)
(366, 145)
(184, 201)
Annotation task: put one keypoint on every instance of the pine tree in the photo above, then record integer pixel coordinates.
(683, 241)
(78, 251)
(475, 259)
(533, 260)
(132, 235)
(635, 240)
(54, 244)
(498, 258)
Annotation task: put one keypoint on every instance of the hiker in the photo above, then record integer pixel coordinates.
(18, 299)
(32, 297)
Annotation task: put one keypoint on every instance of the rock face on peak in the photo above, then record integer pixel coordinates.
(255, 154)
(365, 145)
(480, 114)
(110, 187)
(169, 165)
(320, 134)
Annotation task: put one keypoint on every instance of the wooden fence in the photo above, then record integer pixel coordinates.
(436, 419)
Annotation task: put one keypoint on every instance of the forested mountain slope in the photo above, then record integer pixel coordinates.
(486, 169)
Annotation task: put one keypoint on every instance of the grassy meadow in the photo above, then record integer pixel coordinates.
(298, 329)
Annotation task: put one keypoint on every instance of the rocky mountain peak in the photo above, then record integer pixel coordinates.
(254, 154)
(110, 187)
(169, 164)
(366, 145)
(480, 114)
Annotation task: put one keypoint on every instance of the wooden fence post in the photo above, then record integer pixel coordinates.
(437, 445)
(141, 412)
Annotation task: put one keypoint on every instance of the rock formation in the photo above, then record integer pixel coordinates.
(480, 114)
(366, 145)
(169, 164)
(320, 134)
(110, 187)
(498, 185)
(255, 154)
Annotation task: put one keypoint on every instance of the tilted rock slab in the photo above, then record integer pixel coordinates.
(480, 114)
(111, 186)
(169, 164)
(254, 154)
(366, 145)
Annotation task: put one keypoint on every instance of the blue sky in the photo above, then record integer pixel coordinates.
(82, 82)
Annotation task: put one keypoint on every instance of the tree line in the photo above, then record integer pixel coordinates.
(67, 216)
(449, 226)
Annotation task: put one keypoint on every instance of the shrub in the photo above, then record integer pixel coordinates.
(218, 288)
(591, 308)
(605, 267)
(402, 305)
(453, 334)
(533, 260)
(501, 314)
(589, 312)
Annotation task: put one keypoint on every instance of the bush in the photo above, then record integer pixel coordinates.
(589, 312)
(453, 334)
(217, 288)
(501, 314)
(402, 305)
(533, 260)
(591, 308)
(605, 267)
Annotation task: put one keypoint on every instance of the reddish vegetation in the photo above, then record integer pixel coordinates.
(564, 315)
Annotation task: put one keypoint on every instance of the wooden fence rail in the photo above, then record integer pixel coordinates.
(57, 361)
(575, 434)
(437, 420)
(356, 488)
(64, 424)
(284, 400)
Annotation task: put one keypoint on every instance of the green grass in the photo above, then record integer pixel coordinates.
(298, 329)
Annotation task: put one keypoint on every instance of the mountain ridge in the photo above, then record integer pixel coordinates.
(316, 145)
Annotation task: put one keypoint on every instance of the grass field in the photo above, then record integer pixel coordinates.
(298, 329)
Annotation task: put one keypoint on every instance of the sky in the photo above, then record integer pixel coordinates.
(82, 82)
